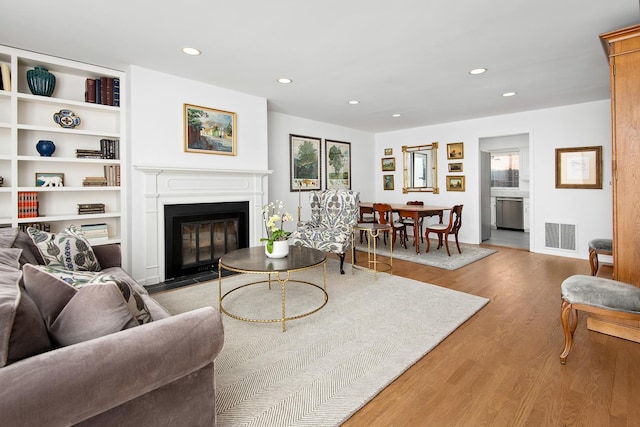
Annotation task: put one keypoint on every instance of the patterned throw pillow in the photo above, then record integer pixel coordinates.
(67, 249)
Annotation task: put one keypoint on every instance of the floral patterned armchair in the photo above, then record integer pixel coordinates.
(333, 214)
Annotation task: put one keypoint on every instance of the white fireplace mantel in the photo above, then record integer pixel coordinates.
(168, 185)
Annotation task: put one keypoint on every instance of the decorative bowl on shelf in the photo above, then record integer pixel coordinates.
(41, 81)
(45, 147)
(67, 119)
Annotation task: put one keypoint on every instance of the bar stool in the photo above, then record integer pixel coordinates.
(598, 247)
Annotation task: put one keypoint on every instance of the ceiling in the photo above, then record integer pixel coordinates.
(410, 57)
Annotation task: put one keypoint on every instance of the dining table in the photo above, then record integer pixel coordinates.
(414, 212)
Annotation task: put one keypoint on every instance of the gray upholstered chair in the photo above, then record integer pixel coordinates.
(595, 295)
(598, 247)
(333, 215)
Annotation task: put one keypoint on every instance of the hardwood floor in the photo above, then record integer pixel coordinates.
(502, 367)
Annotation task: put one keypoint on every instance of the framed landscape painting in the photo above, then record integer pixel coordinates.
(305, 167)
(338, 164)
(455, 183)
(209, 131)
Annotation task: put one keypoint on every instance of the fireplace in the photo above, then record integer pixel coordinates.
(198, 234)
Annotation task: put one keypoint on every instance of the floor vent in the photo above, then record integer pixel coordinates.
(560, 236)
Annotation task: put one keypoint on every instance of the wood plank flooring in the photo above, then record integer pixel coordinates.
(502, 367)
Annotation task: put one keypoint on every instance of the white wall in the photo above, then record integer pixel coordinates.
(578, 125)
(156, 135)
(362, 158)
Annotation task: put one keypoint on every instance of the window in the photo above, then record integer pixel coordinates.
(505, 170)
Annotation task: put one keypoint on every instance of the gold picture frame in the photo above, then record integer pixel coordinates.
(455, 167)
(455, 183)
(388, 164)
(388, 151)
(209, 131)
(579, 167)
(387, 182)
(455, 151)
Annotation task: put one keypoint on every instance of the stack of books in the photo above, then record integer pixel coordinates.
(112, 174)
(93, 232)
(94, 181)
(89, 154)
(27, 204)
(103, 90)
(110, 148)
(90, 208)
(43, 226)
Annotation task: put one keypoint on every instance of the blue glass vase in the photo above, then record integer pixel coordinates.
(41, 81)
(45, 147)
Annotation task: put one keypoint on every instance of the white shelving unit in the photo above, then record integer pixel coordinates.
(26, 118)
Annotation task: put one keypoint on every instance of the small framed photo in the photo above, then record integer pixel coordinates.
(48, 179)
(338, 164)
(387, 182)
(455, 167)
(388, 164)
(579, 167)
(209, 131)
(455, 183)
(455, 151)
(388, 151)
(305, 166)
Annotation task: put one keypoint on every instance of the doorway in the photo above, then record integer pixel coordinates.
(504, 191)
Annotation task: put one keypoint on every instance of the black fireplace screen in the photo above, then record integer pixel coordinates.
(197, 235)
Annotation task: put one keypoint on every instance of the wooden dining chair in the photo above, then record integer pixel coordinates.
(445, 230)
(408, 222)
(384, 216)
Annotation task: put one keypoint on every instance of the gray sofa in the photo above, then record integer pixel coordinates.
(159, 373)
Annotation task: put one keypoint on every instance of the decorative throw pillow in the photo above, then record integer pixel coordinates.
(67, 249)
(81, 305)
(22, 331)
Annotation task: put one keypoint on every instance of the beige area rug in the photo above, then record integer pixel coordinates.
(435, 257)
(329, 364)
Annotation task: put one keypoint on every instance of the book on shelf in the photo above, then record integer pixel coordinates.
(94, 181)
(95, 231)
(5, 70)
(89, 154)
(112, 174)
(110, 148)
(42, 226)
(90, 208)
(103, 90)
(27, 204)
(90, 91)
(116, 92)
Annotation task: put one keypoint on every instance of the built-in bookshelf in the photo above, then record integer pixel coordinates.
(92, 149)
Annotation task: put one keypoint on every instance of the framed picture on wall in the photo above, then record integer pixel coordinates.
(579, 167)
(388, 164)
(209, 131)
(387, 181)
(337, 164)
(304, 163)
(455, 167)
(455, 151)
(455, 183)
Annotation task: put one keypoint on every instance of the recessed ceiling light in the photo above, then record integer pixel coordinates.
(478, 71)
(354, 102)
(396, 115)
(507, 94)
(191, 51)
(285, 81)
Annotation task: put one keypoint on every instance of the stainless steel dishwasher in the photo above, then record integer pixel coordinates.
(509, 213)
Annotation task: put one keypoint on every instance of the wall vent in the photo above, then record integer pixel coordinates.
(560, 236)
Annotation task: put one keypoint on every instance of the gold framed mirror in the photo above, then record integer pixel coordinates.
(420, 168)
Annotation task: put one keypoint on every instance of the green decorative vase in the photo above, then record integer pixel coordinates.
(41, 81)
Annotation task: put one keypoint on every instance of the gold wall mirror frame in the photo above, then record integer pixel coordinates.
(420, 168)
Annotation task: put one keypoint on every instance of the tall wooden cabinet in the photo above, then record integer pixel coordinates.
(26, 118)
(623, 49)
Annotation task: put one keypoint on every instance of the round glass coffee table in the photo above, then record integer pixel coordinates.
(254, 261)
